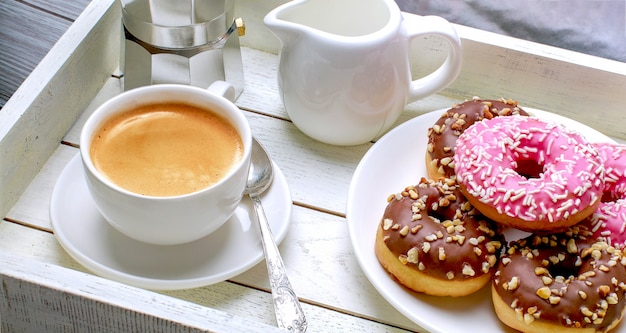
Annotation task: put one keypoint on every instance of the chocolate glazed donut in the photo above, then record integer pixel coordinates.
(560, 281)
(433, 241)
(442, 136)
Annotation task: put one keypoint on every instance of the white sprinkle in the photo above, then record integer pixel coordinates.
(549, 149)
(520, 193)
(565, 206)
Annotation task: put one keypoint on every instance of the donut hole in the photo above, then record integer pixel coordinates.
(529, 168)
(615, 194)
(609, 197)
(437, 213)
(566, 271)
(438, 216)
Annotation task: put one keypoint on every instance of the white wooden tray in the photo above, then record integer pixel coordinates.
(51, 291)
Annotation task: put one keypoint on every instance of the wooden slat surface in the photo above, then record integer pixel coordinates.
(317, 252)
(68, 10)
(26, 34)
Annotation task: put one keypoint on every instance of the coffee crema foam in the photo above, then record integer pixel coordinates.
(166, 149)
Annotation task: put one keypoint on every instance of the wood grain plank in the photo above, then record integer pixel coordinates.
(33, 206)
(585, 88)
(39, 297)
(67, 9)
(39, 113)
(236, 299)
(318, 176)
(26, 35)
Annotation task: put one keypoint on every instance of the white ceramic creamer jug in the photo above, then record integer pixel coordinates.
(344, 72)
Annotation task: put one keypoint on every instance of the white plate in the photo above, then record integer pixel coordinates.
(395, 161)
(229, 251)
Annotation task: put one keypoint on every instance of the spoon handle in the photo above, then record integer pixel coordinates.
(289, 314)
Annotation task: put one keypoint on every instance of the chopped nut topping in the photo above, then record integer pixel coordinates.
(604, 290)
(404, 231)
(612, 298)
(467, 270)
(596, 254)
(505, 112)
(412, 255)
(554, 299)
(546, 280)
(492, 246)
(513, 284)
(387, 224)
(460, 239)
(554, 259)
(431, 237)
(445, 160)
(571, 246)
(528, 318)
(492, 260)
(544, 292)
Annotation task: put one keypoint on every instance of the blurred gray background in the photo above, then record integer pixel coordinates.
(596, 27)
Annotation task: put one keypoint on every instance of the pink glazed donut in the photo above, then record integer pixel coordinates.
(529, 174)
(609, 220)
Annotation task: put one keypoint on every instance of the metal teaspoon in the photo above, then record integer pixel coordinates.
(289, 314)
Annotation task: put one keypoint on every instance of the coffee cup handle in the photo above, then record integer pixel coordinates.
(224, 89)
(444, 75)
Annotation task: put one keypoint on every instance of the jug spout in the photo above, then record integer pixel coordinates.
(284, 29)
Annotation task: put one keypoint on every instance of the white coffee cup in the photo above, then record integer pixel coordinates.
(168, 220)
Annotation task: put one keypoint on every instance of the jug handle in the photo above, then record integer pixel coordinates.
(446, 73)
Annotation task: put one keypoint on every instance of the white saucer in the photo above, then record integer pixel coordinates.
(229, 251)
